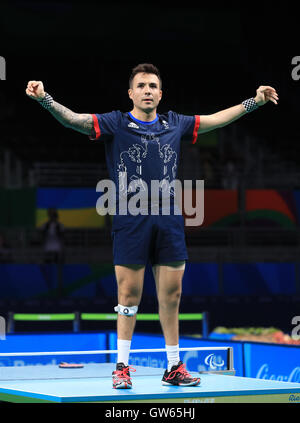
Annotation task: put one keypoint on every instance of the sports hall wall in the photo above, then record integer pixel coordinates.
(76, 206)
(213, 280)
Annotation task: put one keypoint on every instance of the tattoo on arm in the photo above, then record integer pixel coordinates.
(81, 122)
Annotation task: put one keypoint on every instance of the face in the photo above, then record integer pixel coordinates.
(145, 91)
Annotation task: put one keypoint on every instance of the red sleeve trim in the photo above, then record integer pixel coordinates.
(96, 128)
(196, 127)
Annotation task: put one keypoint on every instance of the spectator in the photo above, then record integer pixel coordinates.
(53, 232)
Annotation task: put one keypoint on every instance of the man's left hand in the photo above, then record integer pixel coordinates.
(265, 94)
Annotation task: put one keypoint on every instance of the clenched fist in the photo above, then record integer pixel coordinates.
(35, 90)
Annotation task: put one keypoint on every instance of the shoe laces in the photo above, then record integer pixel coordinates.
(181, 370)
(124, 372)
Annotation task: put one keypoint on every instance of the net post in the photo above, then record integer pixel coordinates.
(2, 328)
(76, 322)
(10, 322)
(205, 325)
(230, 358)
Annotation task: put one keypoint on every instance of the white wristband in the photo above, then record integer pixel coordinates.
(250, 105)
(47, 101)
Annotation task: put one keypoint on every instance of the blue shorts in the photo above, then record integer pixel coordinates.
(155, 239)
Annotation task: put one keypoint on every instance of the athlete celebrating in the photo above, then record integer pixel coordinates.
(143, 146)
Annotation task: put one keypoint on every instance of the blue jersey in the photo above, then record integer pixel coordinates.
(139, 152)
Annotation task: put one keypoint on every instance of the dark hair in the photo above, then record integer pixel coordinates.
(145, 68)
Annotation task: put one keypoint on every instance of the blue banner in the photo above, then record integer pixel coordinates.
(52, 342)
(273, 362)
(259, 278)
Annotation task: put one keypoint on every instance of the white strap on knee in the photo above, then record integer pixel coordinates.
(125, 310)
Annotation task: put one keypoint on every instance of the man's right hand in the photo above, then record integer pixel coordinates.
(81, 122)
(35, 90)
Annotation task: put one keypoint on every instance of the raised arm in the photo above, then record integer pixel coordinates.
(81, 122)
(224, 117)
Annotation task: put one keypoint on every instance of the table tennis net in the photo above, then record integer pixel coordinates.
(101, 364)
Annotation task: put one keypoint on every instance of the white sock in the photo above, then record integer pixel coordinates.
(123, 351)
(172, 355)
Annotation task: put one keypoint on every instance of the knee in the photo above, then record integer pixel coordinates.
(128, 294)
(170, 298)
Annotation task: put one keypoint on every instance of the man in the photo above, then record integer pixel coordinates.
(143, 146)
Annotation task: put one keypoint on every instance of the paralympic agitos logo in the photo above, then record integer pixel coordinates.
(212, 362)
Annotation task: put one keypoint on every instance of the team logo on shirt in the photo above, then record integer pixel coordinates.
(132, 162)
(133, 125)
(165, 124)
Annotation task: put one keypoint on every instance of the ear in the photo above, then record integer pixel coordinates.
(130, 93)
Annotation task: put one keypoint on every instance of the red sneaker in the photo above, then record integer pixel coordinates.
(179, 376)
(121, 376)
